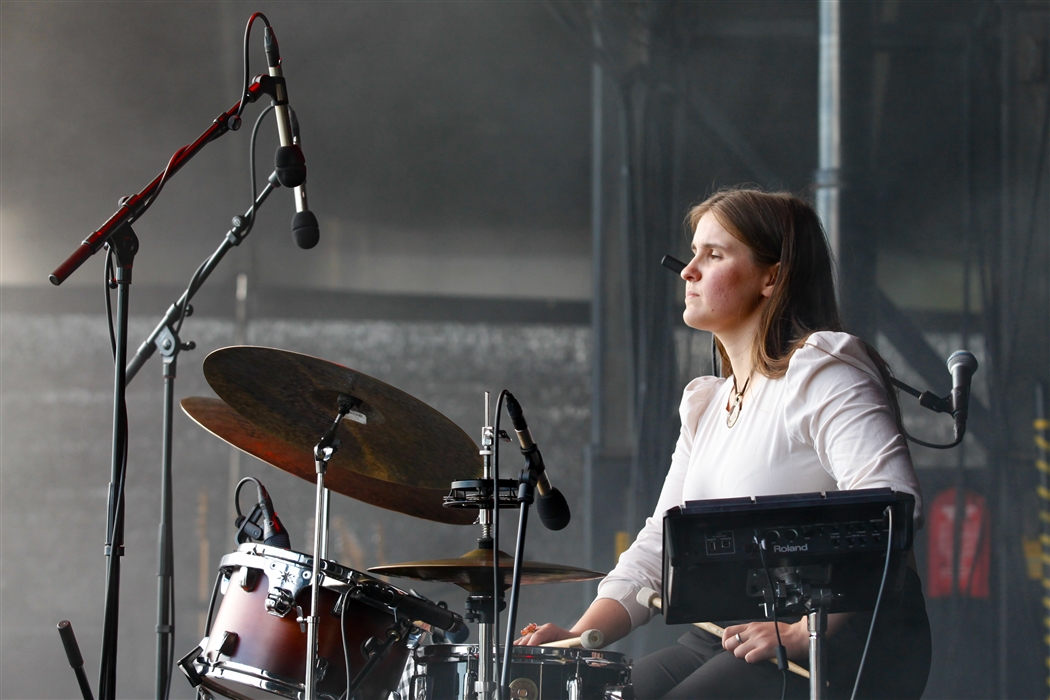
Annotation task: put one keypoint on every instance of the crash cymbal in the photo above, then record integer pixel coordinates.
(390, 436)
(473, 571)
(218, 418)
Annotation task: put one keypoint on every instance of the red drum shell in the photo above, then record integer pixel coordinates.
(274, 648)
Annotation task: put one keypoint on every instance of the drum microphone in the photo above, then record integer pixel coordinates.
(289, 161)
(962, 364)
(550, 503)
(416, 608)
(273, 532)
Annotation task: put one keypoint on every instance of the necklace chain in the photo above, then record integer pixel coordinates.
(735, 402)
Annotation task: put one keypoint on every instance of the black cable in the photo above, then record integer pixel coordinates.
(251, 166)
(164, 177)
(109, 284)
(211, 605)
(495, 538)
(878, 601)
(249, 222)
(781, 651)
(237, 493)
(171, 637)
(247, 36)
(917, 441)
(346, 649)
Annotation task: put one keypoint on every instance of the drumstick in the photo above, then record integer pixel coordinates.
(651, 599)
(591, 639)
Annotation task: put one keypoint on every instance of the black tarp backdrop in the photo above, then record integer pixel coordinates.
(449, 160)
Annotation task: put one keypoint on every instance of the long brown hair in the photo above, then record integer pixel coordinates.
(778, 227)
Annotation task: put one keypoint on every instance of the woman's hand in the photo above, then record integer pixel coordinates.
(757, 641)
(543, 634)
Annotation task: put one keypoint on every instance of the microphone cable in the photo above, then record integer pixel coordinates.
(878, 602)
(781, 651)
(495, 543)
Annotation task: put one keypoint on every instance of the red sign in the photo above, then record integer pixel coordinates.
(974, 549)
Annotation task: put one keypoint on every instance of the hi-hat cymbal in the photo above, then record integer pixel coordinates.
(473, 571)
(225, 423)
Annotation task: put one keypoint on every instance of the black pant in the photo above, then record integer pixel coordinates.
(896, 668)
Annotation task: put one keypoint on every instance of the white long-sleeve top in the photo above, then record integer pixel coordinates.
(825, 425)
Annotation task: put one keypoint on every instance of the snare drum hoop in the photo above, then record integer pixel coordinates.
(232, 672)
(595, 658)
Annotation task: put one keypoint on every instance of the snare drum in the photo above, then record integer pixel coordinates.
(256, 644)
(448, 672)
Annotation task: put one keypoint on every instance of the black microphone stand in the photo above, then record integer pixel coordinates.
(526, 494)
(116, 234)
(166, 339)
(123, 244)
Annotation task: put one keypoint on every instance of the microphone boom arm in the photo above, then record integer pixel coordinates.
(134, 206)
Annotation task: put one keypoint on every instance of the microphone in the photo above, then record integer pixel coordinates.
(962, 364)
(416, 608)
(289, 161)
(273, 532)
(550, 503)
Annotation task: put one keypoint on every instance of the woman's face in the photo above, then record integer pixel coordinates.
(725, 289)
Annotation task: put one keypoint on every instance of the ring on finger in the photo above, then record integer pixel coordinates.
(739, 639)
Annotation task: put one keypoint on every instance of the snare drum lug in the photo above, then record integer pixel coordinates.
(249, 578)
(279, 602)
(228, 644)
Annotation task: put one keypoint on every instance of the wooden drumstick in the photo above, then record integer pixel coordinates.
(591, 639)
(651, 599)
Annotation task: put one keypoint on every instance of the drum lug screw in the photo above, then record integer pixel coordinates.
(279, 602)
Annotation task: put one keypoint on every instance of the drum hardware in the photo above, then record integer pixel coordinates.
(446, 671)
(364, 454)
(251, 653)
(323, 452)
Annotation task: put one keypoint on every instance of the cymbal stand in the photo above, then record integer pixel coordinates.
(323, 453)
(487, 615)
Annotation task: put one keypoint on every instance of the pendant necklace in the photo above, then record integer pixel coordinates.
(735, 402)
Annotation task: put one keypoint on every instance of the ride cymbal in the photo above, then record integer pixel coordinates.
(390, 437)
(225, 423)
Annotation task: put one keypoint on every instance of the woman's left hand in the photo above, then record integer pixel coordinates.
(757, 641)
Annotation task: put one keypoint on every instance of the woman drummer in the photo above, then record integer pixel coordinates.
(802, 407)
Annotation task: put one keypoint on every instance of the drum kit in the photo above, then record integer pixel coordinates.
(287, 624)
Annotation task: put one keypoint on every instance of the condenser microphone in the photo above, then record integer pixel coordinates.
(962, 364)
(289, 161)
(273, 532)
(550, 503)
(305, 230)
